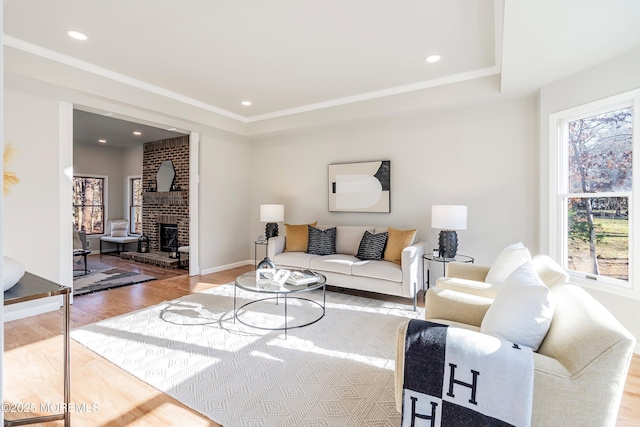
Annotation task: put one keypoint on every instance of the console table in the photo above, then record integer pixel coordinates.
(31, 287)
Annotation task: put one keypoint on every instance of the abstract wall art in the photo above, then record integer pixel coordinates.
(360, 187)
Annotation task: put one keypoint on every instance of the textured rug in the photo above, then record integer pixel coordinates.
(107, 278)
(336, 372)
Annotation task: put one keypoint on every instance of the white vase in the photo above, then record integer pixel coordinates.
(12, 272)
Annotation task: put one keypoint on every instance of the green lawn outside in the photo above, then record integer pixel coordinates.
(612, 249)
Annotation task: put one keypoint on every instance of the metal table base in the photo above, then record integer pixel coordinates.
(31, 287)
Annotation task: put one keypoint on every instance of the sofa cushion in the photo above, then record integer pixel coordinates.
(508, 260)
(336, 263)
(297, 237)
(522, 310)
(396, 242)
(550, 272)
(472, 287)
(384, 270)
(372, 246)
(348, 238)
(293, 259)
(119, 229)
(321, 242)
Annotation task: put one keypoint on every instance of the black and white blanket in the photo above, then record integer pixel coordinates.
(457, 377)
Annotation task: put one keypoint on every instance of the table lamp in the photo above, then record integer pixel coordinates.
(271, 214)
(448, 218)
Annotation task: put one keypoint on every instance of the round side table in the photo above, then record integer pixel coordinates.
(444, 261)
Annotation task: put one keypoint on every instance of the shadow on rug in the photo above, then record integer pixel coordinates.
(338, 372)
(100, 280)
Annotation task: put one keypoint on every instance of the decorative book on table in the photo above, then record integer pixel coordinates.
(302, 277)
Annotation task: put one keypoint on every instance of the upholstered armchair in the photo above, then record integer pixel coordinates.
(581, 365)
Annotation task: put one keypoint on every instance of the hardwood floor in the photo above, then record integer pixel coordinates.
(33, 358)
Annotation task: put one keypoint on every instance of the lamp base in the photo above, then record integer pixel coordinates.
(271, 230)
(448, 243)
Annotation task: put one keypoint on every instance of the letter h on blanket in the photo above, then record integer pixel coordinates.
(457, 377)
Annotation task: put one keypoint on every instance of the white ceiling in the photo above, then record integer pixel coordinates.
(288, 56)
(90, 128)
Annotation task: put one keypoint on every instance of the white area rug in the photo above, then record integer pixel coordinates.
(336, 372)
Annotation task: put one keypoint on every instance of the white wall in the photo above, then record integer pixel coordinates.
(31, 224)
(483, 156)
(616, 76)
(225, 174)
(132, 161)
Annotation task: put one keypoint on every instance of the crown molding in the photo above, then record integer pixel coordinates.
(139, 84)
(112, 75)
(455, 78)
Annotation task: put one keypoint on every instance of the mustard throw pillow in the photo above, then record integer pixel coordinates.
(396, 242)
(297, 237)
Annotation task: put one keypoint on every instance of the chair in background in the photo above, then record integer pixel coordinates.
(117, 232)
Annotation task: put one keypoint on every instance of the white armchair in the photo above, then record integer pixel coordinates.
(118, 233)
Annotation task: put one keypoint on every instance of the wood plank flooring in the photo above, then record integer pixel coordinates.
(33, 357)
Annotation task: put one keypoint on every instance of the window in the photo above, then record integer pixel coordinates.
(135, 205)
(88, 204)
(592, 202)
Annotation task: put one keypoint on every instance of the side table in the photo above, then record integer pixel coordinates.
(255, 249)
(32, 287)
(83, 253)
(444, 261)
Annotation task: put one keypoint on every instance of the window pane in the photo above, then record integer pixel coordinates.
(598, 236)
(600, 152)
(88, 207)
(89, 218)
(135, 218)
(137, 191)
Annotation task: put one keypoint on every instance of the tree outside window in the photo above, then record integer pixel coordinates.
(597, 188)
(135, 206)
(88, 204)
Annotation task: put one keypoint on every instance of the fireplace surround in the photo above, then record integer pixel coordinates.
(166, 208)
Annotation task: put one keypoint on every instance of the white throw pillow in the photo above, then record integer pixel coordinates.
(522, 310)
(12, 272)
(508, 260)
(119, 229)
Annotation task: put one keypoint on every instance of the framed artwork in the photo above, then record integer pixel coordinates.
(360, 187)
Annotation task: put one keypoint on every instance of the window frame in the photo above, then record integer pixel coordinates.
(105, 184)
(558, 216)
(130, 180)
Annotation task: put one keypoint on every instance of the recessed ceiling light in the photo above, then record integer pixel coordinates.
(433, 58)
(171, 129)
(108, 114)
(102, 141)
(77, 35)
(246, 103)
(137, 133)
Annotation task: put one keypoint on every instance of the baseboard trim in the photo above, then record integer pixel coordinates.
(226, 267)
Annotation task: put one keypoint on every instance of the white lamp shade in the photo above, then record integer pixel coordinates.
(449, 217)
(271, 213)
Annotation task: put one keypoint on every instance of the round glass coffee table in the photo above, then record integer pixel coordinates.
(247, 282)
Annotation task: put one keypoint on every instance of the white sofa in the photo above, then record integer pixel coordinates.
(344, 270)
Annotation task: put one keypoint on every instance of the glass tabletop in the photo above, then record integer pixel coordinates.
(247, 281)
(457, 258)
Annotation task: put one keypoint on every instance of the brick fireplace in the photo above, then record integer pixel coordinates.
(166, 208)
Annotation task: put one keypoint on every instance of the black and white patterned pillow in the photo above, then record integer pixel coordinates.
(372, 246)
(321, 242)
